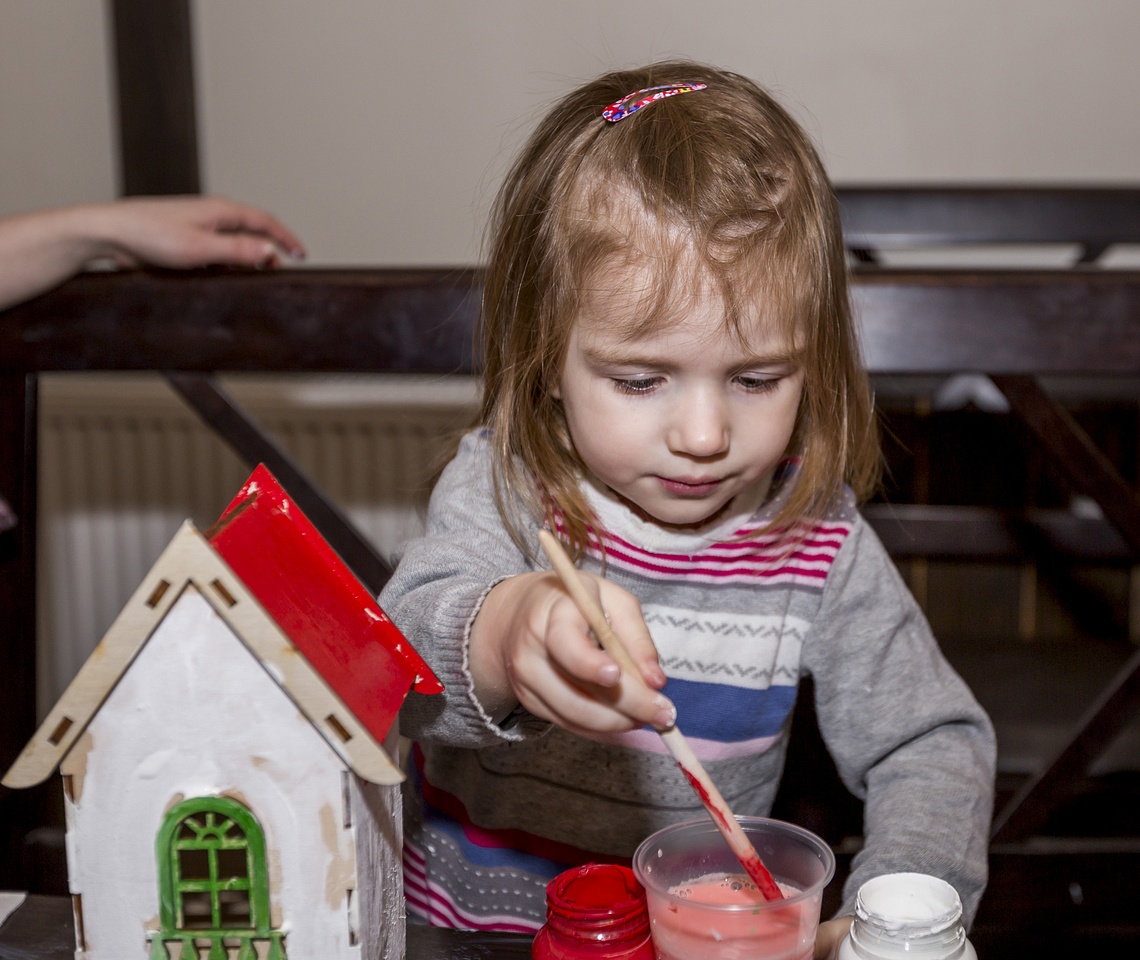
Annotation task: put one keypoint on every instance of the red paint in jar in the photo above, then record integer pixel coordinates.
(594, 912)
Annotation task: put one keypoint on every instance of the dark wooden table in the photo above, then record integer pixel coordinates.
(41, 929)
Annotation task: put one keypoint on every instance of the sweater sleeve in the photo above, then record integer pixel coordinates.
(906, 733)
(440, 581)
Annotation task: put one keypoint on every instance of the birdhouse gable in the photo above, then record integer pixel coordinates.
(187, 561)
(291, 600)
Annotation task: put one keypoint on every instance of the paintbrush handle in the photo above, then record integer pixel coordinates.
(672, 737)
(715, 804)
(586, 604)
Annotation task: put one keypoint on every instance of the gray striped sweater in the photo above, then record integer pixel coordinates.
(495, 810)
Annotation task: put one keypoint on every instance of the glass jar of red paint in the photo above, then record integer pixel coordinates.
(594, 912)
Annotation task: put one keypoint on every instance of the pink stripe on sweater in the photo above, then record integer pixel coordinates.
(745, 541)
(734, 561)
(744, 551)
(738, 571)
(649, 741)
(433, 903)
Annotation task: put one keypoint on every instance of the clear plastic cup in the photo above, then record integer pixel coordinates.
(703, 907)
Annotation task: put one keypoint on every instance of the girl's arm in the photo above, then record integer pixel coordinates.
(39, 250)
(500, 633)
(906, 733)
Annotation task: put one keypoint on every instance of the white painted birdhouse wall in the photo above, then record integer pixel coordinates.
(197, 715)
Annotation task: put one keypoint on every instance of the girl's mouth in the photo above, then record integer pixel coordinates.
(692, 487)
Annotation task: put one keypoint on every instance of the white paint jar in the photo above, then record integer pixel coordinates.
(907, 916)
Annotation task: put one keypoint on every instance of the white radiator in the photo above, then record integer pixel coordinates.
(123, 462)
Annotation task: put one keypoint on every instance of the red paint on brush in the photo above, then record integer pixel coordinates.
(714, 812)
(761, 877)
(751, 862)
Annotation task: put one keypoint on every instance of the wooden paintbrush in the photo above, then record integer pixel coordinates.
(673, 738)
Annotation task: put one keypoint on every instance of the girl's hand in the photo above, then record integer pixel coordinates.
(530, 645)
(829, 936)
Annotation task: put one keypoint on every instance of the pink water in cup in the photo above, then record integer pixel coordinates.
(702, 905)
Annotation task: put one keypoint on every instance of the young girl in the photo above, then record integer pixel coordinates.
(672, 384)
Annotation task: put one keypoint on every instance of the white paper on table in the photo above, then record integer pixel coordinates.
(9, 902)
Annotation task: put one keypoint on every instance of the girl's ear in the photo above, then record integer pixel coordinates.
(556, 390)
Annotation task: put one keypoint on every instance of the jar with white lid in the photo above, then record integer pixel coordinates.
(907, 915)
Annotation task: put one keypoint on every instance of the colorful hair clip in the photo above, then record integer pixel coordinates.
(633, 102)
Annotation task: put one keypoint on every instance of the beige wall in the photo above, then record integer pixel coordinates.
(56, 142)
(379, 129)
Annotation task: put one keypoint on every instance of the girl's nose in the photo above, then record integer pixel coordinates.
(699, 428)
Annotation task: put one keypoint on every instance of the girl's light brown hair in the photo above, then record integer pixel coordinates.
(728, 170)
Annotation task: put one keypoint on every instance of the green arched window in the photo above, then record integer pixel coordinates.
(213, 883)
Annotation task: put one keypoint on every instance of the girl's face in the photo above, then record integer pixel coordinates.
(678, 421)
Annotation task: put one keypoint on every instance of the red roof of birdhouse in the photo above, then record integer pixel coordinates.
(320, 605)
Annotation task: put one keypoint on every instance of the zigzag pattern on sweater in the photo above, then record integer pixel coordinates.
(677, 665)
(753, 631)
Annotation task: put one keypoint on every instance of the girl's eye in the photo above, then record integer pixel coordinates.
(758, 384)
(636, 384)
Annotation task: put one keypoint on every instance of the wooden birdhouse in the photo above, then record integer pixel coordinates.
(227, 754)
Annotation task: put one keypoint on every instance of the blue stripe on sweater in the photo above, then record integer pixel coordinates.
(489, 857)
(727, 714)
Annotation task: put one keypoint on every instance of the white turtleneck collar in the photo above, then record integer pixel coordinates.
(617, 518)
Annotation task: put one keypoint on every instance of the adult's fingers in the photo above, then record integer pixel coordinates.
(233, 217)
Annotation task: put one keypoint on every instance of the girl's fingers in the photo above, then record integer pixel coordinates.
(586, 710)
(574, 649)
(627, 622)
(594, 691)
(553, 664)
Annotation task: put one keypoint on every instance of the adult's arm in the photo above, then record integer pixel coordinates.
(41, 249)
